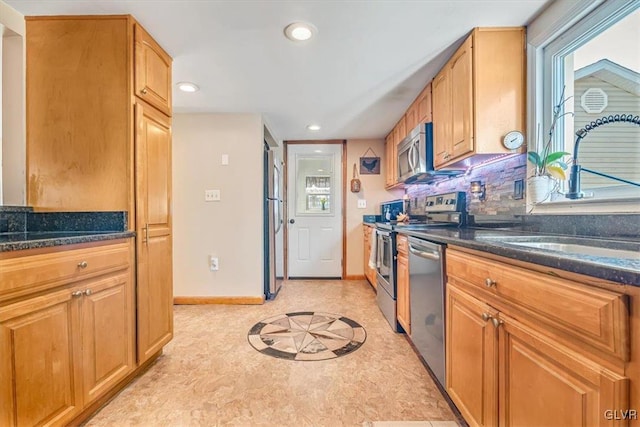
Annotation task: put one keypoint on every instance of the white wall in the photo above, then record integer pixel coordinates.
(372, 191)
(12, 131)
(230, 229)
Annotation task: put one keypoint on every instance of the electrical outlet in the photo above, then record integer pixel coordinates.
(225, 160)
(518, 189)
(362, 204)
(213, 263)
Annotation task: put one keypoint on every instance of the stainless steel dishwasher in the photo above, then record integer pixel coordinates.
(426, 283)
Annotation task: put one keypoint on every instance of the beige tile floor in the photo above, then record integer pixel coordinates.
(209, 375)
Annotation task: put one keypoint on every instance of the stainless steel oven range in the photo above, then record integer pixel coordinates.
(426, 275)
(386, 273)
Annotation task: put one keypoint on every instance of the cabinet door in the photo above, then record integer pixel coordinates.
(403, 301)
(411, 117)
(462, 100)
(441, 87)
(401, 130)
(424, 105)
(543, 383)
(152, 71)
(39, 361)
(472, 355)
(390, 152)
(107, 333)
(153, 225)
(367, 250)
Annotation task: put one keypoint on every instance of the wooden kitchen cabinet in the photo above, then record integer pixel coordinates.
(411, 116)
(65, 347)
(479, 96)
(424, 109)
(391, 150)
(420, 110)
(369, 272)
(514, 358)
(390, 153)
(402, 282)
(471, 358)
(154, 245)
(152, 71)
(99, 139)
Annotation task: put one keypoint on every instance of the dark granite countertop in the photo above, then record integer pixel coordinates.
(621, 270)
(44, 239)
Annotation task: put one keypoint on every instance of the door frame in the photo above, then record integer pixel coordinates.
(285, 176)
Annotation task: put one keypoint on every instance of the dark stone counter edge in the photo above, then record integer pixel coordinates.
(575, 265)
(59, 241)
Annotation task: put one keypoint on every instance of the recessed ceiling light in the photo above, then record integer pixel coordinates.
(317, 151)
(313, 127)
(188, 87)
(299, 31)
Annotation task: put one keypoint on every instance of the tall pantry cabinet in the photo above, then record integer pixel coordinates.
(99, 139)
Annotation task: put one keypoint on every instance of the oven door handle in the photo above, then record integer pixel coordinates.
(435, 256)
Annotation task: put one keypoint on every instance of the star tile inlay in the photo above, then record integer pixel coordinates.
(307, 336)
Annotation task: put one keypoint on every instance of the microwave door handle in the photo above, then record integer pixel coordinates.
(416, 155)
(410, 158)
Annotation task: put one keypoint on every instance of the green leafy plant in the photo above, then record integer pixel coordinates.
(546, 162)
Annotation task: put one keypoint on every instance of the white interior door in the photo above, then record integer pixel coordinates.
(314, 186)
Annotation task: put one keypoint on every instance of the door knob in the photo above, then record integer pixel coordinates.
(292, 221)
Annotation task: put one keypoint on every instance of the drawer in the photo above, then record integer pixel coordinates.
(402, 244)
(592, 315)
(34, 273)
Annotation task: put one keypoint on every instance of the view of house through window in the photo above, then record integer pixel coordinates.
(603, 78)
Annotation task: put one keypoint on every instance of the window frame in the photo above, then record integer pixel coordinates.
(548, 43)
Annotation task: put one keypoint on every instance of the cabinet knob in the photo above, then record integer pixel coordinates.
(496, 322)
(88, 292)
(83, 264)
(490, 283)
(486, 316)
(76, 294)
(144, 91)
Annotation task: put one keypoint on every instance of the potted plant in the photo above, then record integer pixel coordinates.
(549, 166)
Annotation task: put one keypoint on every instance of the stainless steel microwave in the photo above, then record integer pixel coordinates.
(415, 157)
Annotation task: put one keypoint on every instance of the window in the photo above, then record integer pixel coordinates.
(594, 59)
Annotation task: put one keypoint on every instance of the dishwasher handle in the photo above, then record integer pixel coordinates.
(432, 255)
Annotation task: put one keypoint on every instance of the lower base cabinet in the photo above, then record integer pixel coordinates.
(402, 280)
(369, 272)
(505, 368)
(62, 349)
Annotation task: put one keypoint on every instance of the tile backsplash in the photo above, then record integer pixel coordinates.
(499, 178)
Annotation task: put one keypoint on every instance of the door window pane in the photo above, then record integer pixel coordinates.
(315, 185)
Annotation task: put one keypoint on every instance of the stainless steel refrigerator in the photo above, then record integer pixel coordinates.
(273, 219)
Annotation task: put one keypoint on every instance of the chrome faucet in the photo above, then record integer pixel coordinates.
(574, 176)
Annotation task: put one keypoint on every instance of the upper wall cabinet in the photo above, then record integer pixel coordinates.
(82, 73)
(479, 96)
(153, 72)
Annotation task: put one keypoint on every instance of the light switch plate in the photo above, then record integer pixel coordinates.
(362, 204)
(212, 195)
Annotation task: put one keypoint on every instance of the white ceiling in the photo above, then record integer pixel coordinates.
(368, 62)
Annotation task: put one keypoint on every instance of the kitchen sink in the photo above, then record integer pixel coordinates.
(573, 245)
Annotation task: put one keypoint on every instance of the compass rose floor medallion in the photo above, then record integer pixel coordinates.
(307, 335)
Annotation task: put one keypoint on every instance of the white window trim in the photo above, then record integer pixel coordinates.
(559, 29)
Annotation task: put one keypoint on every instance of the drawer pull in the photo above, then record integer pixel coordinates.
(486, 316)
(144, 91)
(490, 283)
(76, 294)
(83, 264)
(497, 322)
(88, 292)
